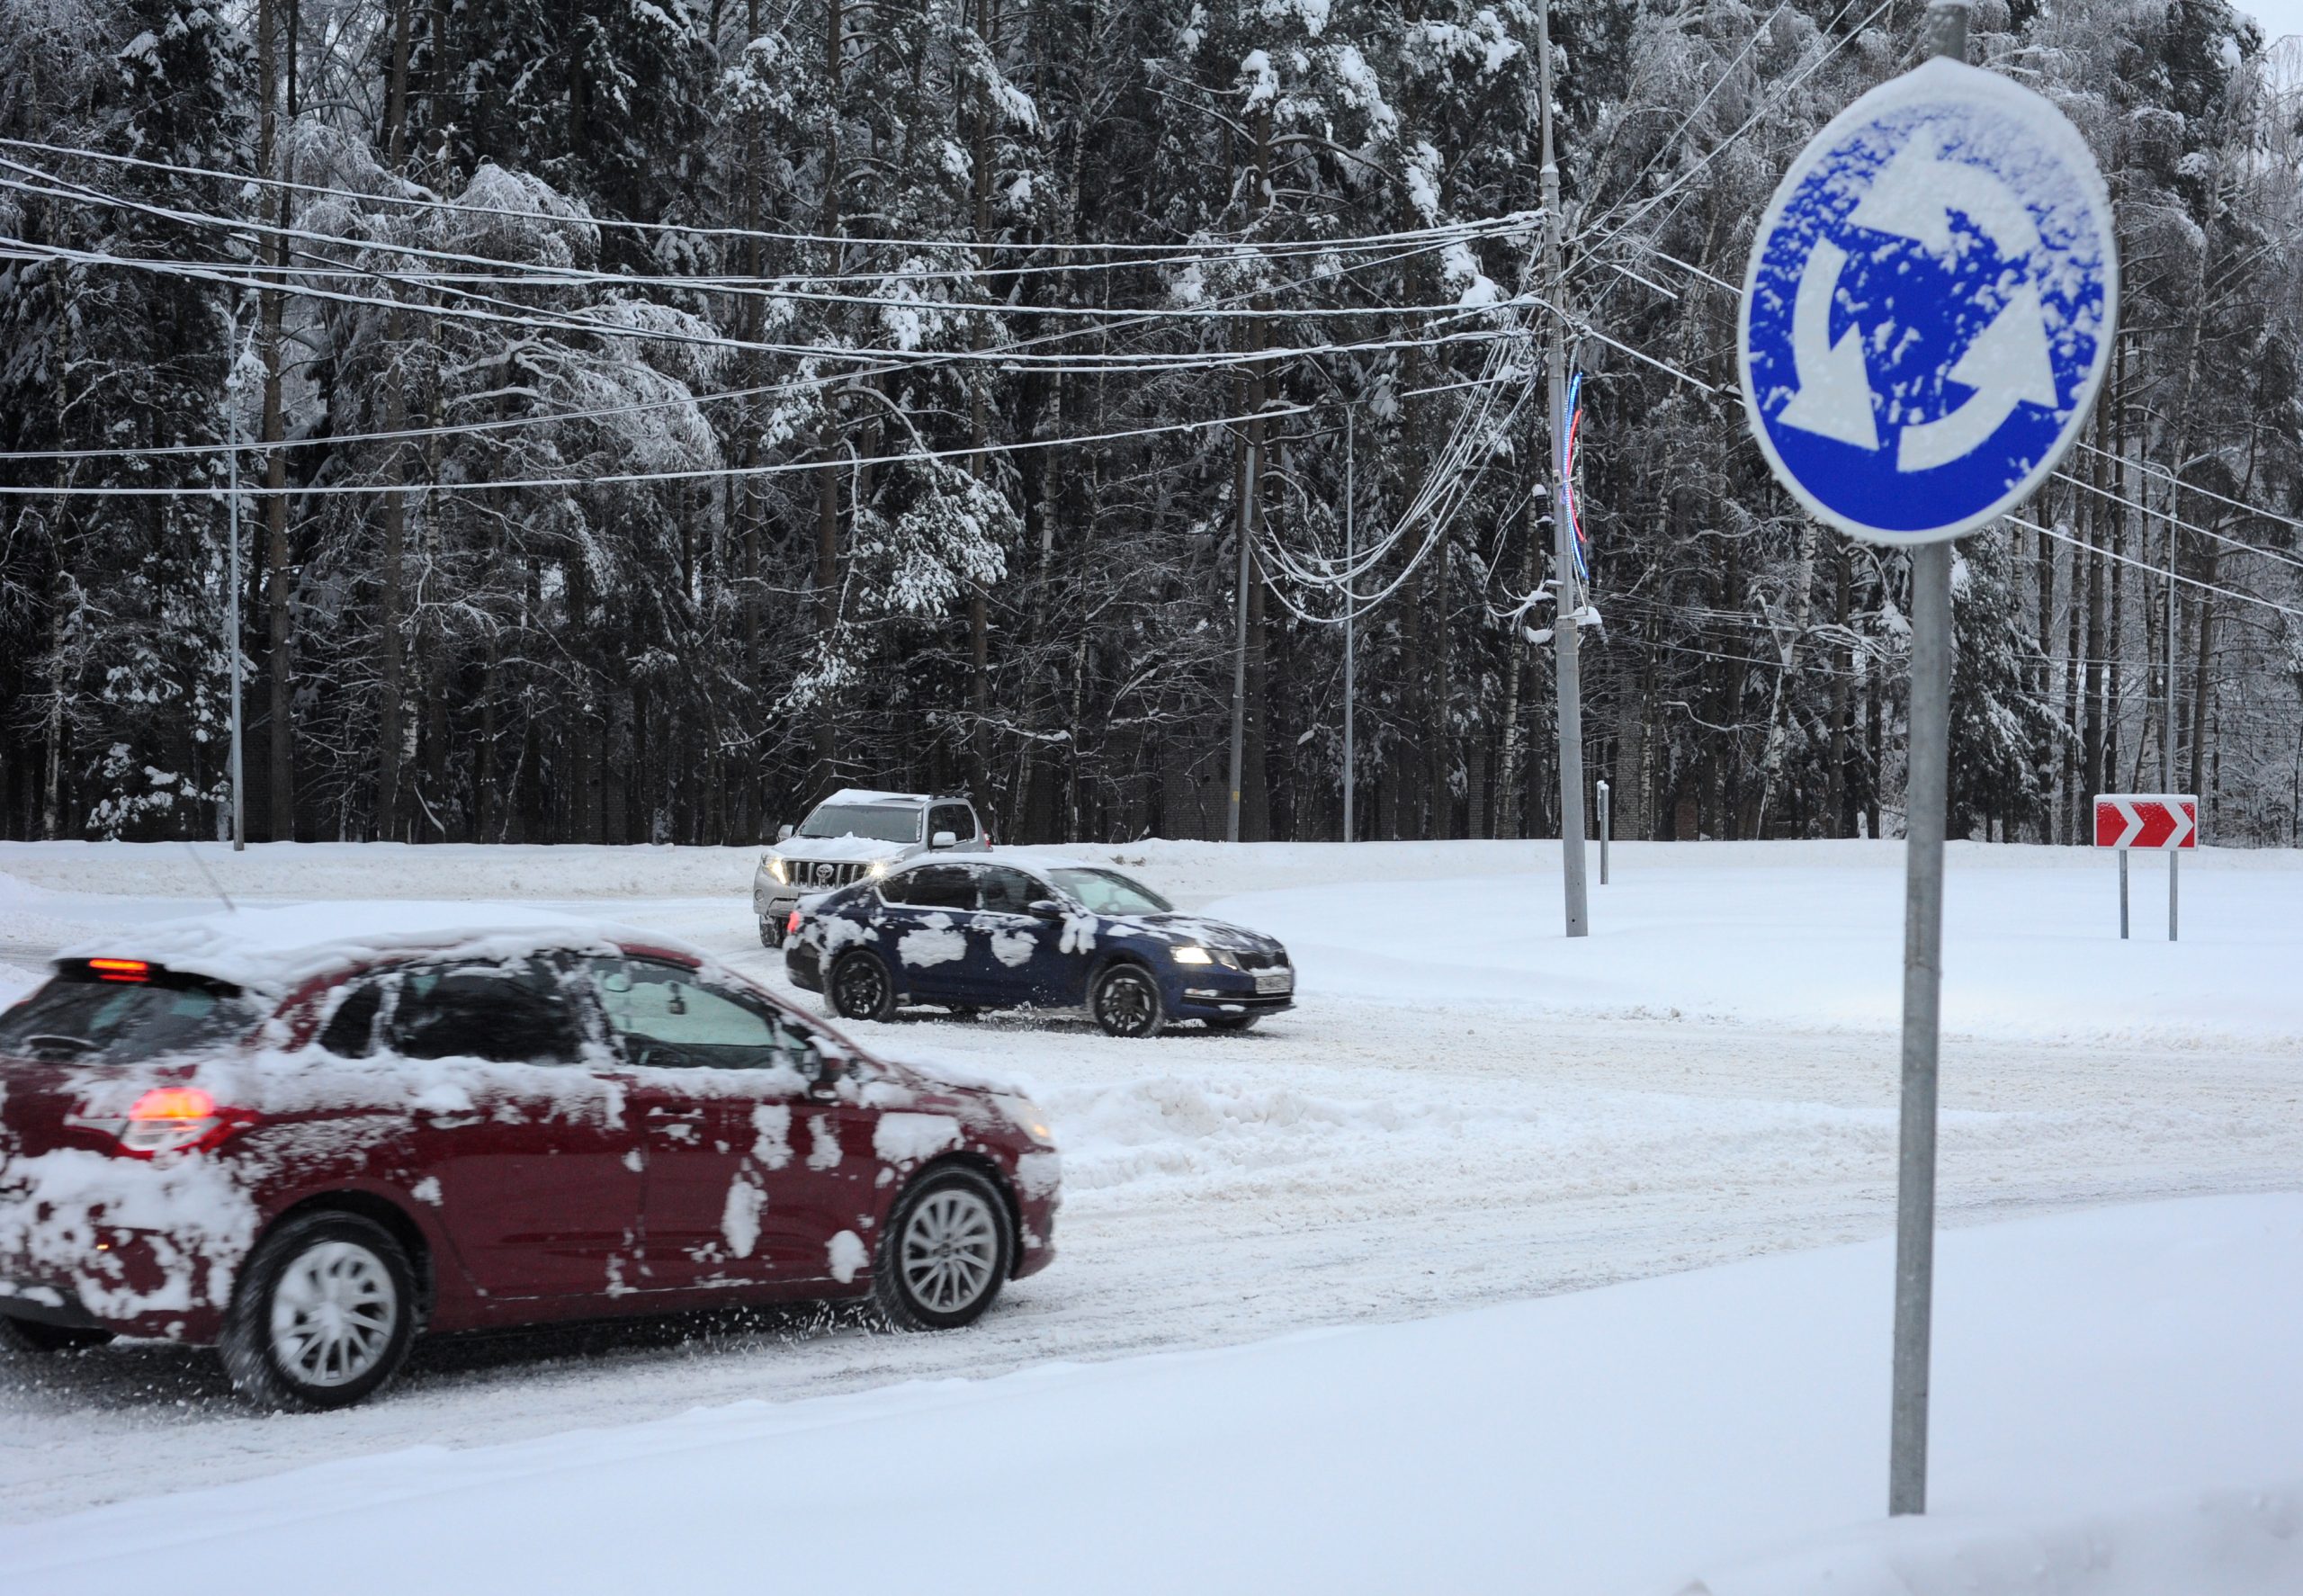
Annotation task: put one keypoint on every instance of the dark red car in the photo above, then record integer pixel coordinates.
(309, 1135)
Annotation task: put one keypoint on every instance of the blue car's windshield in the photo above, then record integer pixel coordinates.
(876, 822)
(1108, 892)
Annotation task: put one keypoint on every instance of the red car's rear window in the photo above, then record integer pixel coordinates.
(78, 1016)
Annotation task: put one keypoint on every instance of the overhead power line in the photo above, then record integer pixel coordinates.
(2153, 469)
(699, 473)
(2270, 554)
(2156, 570)
(516, 273)
(1011, 357)
(1209, 253)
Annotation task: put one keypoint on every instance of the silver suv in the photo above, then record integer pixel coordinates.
(853, 834)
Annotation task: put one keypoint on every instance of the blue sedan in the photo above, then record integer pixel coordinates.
(971, 934)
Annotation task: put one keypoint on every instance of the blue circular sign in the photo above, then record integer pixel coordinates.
(1929, 309)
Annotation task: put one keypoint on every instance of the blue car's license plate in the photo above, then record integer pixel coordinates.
(1275, 981)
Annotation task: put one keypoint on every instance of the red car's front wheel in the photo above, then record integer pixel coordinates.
(945, 1254)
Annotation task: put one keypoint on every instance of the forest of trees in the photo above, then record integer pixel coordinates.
(644, 416)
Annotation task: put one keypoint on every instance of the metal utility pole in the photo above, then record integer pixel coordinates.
(2167, 743)
(1240, 642)
(1566, 599)
(1925, 811)
(1350, 624)
(232, 640)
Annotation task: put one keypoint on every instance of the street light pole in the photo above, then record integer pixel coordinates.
(1566, 597)
(232, 475)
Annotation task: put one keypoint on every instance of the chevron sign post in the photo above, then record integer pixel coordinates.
(2168, 821)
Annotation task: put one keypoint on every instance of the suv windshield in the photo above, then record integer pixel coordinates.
(75, 1018)
(1108, 892)
(878, 822)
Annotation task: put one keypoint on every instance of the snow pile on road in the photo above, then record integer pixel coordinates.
(2116, 1395)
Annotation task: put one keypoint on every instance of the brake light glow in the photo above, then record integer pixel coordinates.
(121, 969)
(177, 1119)
(174, 1103)
(791, 926)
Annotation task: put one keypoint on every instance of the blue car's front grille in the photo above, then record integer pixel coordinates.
(1262, 961)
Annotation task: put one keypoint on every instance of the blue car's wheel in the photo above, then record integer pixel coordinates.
(859, 988)
(1127, 1001)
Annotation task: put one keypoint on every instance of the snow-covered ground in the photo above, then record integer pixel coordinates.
(2115, 1394)
(1465, 1110)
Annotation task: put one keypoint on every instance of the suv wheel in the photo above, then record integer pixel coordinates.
(324, 1316)
(860, 987)
(771, 931)
(32, 1336)
(945, 1254)
(1127, 1001)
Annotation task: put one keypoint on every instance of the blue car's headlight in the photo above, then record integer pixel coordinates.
(1191, 954)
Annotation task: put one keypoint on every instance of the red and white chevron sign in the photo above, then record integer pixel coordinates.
(2146, 820)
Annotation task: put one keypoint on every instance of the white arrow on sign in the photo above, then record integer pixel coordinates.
(2134, 819)
(2185, 824)
(1834, 397)
(1916, 191)
(2009, 363)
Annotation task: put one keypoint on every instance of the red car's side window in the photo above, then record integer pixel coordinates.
(664, 1017)
(503, 1013)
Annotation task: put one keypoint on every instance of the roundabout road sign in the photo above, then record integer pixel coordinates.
(1929, 304)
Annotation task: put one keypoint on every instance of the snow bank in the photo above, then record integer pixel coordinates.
(2214, 1543)
(1811, 935)
(2117, 1400)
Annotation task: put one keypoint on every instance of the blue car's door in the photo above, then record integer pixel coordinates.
(924, 932)
(1014, 956)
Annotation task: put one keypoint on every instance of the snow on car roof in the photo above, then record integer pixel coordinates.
(275, 950)
(864, 796)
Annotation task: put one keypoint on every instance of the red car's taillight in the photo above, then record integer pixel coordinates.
(176, 1119)
(791, 926)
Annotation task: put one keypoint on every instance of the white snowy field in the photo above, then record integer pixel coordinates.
(1465, 1110)
(2116, 1394)
(1806, 933)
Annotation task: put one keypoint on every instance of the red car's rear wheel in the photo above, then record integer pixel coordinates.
(324, 1316)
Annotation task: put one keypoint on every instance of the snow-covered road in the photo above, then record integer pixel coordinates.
(1368, 1157)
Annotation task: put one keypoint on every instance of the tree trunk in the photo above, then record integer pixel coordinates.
(1839, 803)
(2092, 690)
(1780, 710)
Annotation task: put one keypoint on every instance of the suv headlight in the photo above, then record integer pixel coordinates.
(777, 868)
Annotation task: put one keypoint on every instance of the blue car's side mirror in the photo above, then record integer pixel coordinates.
(1046, 908)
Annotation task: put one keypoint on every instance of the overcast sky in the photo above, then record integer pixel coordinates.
(2278, 17)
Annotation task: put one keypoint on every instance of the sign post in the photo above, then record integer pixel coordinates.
(1926, 320)
(1603, 833)
(2165, 821)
